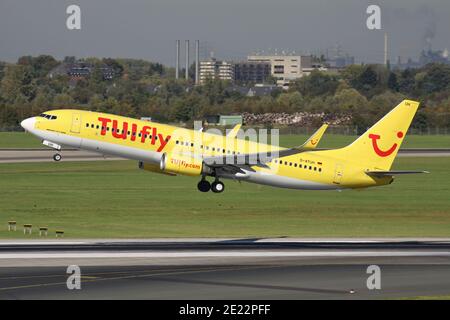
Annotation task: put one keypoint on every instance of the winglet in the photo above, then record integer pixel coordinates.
(233, 132)
(314, 140)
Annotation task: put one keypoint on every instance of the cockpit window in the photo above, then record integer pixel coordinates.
(47, 116)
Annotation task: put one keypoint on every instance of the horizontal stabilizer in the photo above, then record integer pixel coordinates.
(234, 132)
(391, 173)
(314, 140)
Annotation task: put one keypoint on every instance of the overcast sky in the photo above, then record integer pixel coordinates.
(231, 28)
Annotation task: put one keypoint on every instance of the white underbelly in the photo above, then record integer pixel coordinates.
(99, 146)
(275, 180)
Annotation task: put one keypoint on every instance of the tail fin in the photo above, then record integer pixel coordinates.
(378, 147)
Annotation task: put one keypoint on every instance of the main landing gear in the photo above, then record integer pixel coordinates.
(216, 187)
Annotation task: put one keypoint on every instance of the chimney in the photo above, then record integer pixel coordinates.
(187, 60)
(197, 60)
(177, 63)
(385, 49)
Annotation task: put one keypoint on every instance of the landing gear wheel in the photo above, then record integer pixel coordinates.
(204, 186)
(217, 187)
(57, 157)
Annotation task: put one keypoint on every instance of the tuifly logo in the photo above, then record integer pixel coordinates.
(133, 133)
(376, 148)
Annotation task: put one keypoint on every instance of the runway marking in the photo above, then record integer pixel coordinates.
(98, 274)
(141, 276)
(218, 254)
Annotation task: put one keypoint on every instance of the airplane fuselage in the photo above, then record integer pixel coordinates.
(147, 142)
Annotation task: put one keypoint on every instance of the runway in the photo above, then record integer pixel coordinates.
(45, 155)
(283, 268)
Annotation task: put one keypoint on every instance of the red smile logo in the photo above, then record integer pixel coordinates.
(314, 142)
(376, 148)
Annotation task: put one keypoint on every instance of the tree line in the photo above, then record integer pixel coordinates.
(142, 88)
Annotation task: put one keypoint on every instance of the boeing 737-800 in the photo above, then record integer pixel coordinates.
(171, 150)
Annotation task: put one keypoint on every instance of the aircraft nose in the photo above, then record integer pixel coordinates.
(28, 124)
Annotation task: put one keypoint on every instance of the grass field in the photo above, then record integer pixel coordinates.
(24, 140)
(115, 199)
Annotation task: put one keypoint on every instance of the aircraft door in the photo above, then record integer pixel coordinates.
(76, 123)
(338, 174)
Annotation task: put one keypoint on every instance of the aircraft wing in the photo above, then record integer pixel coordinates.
(259, 159)
(391, 173)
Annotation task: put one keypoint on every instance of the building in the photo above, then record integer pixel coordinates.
(216, 70)
(223, 120)
(256, 72)
(80, 70)
(284, 68)
(340, 62)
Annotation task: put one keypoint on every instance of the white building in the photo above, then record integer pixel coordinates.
(216, 70)
(284, 68)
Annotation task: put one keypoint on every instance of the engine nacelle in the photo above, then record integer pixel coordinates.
(181, 164)
(153, 168)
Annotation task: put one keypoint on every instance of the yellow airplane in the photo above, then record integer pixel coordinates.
(171, 150)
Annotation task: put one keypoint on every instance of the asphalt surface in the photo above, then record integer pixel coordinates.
(225, 268)
(45, 155)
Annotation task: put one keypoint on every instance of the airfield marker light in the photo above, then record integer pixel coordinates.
(27, 228)
(43, 231)
(59, 233)
(352, 291)
(12, 226)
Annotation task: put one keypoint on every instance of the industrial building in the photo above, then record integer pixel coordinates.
(284, 68)
(216, 70)
(255, 72)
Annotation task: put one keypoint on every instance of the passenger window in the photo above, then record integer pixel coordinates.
(87, 125)
(92, 126)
